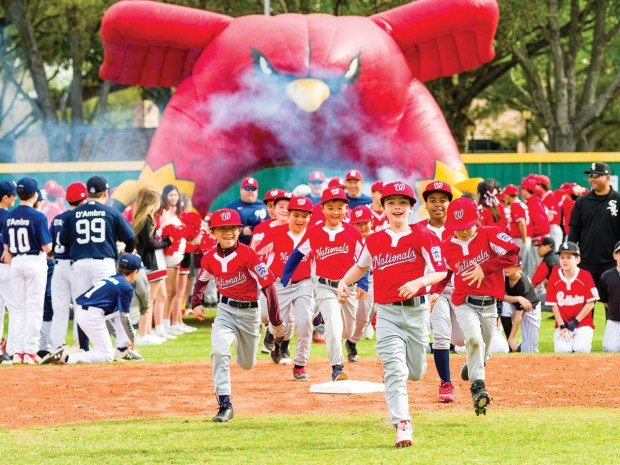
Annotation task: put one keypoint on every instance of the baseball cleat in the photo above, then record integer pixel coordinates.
(17, 359)
(464, 372)
(57, 357)
(268, 341)
(300, 374)
(351, 350)
(338, 373)
(6, 359)
(275, 354)
(31, 359)
(285, 357)
(480, 397)
(127, 355)
(446, 392)
(224, 414)
(404, 434)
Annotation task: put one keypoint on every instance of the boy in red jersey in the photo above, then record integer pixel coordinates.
(334, 246)
(405, 262)
(238, 273)
(519, 226)
(477, 257)
(296, 300)
(571, 293)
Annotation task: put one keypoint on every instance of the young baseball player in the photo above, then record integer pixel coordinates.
(546, 251)
(405, 262)
(609, 287)
(571, 293)
(335, 246)
(477, 257)
(379, 220)
(296, 300)
(8, 193)
(239, 273)
(62, 278)
(437, 196)
(519, 224)
(522, 307)
(103, 301)
(26, 242)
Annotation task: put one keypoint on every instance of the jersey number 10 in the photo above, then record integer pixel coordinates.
(18, 239)
(90, 230)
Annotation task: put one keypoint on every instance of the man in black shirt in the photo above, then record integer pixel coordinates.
(609, 290)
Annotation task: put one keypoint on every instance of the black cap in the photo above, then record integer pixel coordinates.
(97, 184)
(548, 241)
(617, 247)
(598, 168)
(569, 247)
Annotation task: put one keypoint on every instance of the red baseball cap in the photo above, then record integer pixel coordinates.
(462, 214)
(542, 179)
(511, 189)
(76, 192)
(437, 186)
(53, 188)
(378, 186)
(300, 203)
(251, 182)
(354, 174)
(282, 195)
(225, 217)
(361, 214)
(272, 194)
(335, 193)
(397, 188)
(336, 182)
(316, 176)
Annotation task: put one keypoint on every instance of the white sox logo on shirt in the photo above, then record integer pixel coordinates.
(383, 261)
(613, 207)
(324, 252)
(230, 282)
(225, 216)
(569, 300)
(593, 167)
(458, 214)
(399, 187)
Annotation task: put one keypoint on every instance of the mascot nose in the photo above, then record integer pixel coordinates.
(308, 94)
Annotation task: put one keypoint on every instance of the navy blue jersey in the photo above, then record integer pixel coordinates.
(251, 214)
(3, 214)
(25, 231)
(61, 252)
(363, 199)
(315, 200)
(92, 229)
(110, 295)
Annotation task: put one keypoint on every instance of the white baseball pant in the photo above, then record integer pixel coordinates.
(611, 337)
(530, 325)
(61, 301)
(88, 271)
(239, 325)
(364, 310)
(581, 341)
(5, 294)
(557, 234)
(339, 319)
(499, 343)
(93, 323)
(478, 324)
(444, 324)
(28, 280)
(296, 309)
(403, 334)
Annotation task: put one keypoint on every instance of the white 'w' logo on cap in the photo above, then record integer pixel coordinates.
(358, 213)
(399, 186)
(225, 216)
(274, 192)
(301, 201)
(335, 191)
(438, 185)
(459, 214)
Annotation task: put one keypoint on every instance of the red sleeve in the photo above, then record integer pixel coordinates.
(273, 306)
(506, 251)
(540, 274)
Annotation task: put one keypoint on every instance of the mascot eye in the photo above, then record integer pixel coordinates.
(262, 63)
(265, 66)
(353, 71)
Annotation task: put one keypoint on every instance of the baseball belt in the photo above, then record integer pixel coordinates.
(485, 301)
(329, 282)
(239, 303)
(413, 302)
(279, 280)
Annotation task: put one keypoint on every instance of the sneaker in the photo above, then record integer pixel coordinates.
(128, 355)
(165, 335)
(31, 359)
(224, 414)
(368, 332)
(318, 320)
(146, 340)
(6, 359)
(17, 359)
(300, 374)
(351, 350)
(56, 357)
(188, 328)
(404, 434)
(318, 338)
(480, 397)
(275, 354)
(446, 392)
(285, 357)
(464, 372)
(175, 330)
(268, 341)
(338, 373)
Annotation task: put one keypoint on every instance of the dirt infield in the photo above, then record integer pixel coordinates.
(54, 395)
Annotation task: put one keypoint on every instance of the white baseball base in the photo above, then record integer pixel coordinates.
(347, 387)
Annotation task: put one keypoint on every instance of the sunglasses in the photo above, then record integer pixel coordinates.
(316, 182)
(249, 188)
(595, 175)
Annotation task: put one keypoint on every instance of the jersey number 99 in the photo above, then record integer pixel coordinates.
(18, 240)
(90, 230)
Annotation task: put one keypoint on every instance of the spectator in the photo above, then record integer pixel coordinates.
(316, 181)
(354, 181)
(251, 210)
(595, 222)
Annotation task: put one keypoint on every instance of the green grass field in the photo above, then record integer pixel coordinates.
(521, 436)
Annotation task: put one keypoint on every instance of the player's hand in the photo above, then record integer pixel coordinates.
(474, 276)
(199, 312)
(525, 304)
(512, 343)
(409, 289)
(6, 257)
(343, 291)
(566, 334)
(361, 294)
(433, 301)
(247, 231)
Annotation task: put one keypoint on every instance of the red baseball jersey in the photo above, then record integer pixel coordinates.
(238, 276)
(334, 250)
(396, 258)
(570, 295)
(567, 211)
(492, 249)
(519, 212)
(486, 218)
(538, 216)
(278, 244)
(440, 233)
(379, 220)
(552, 206)
(261, 228)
